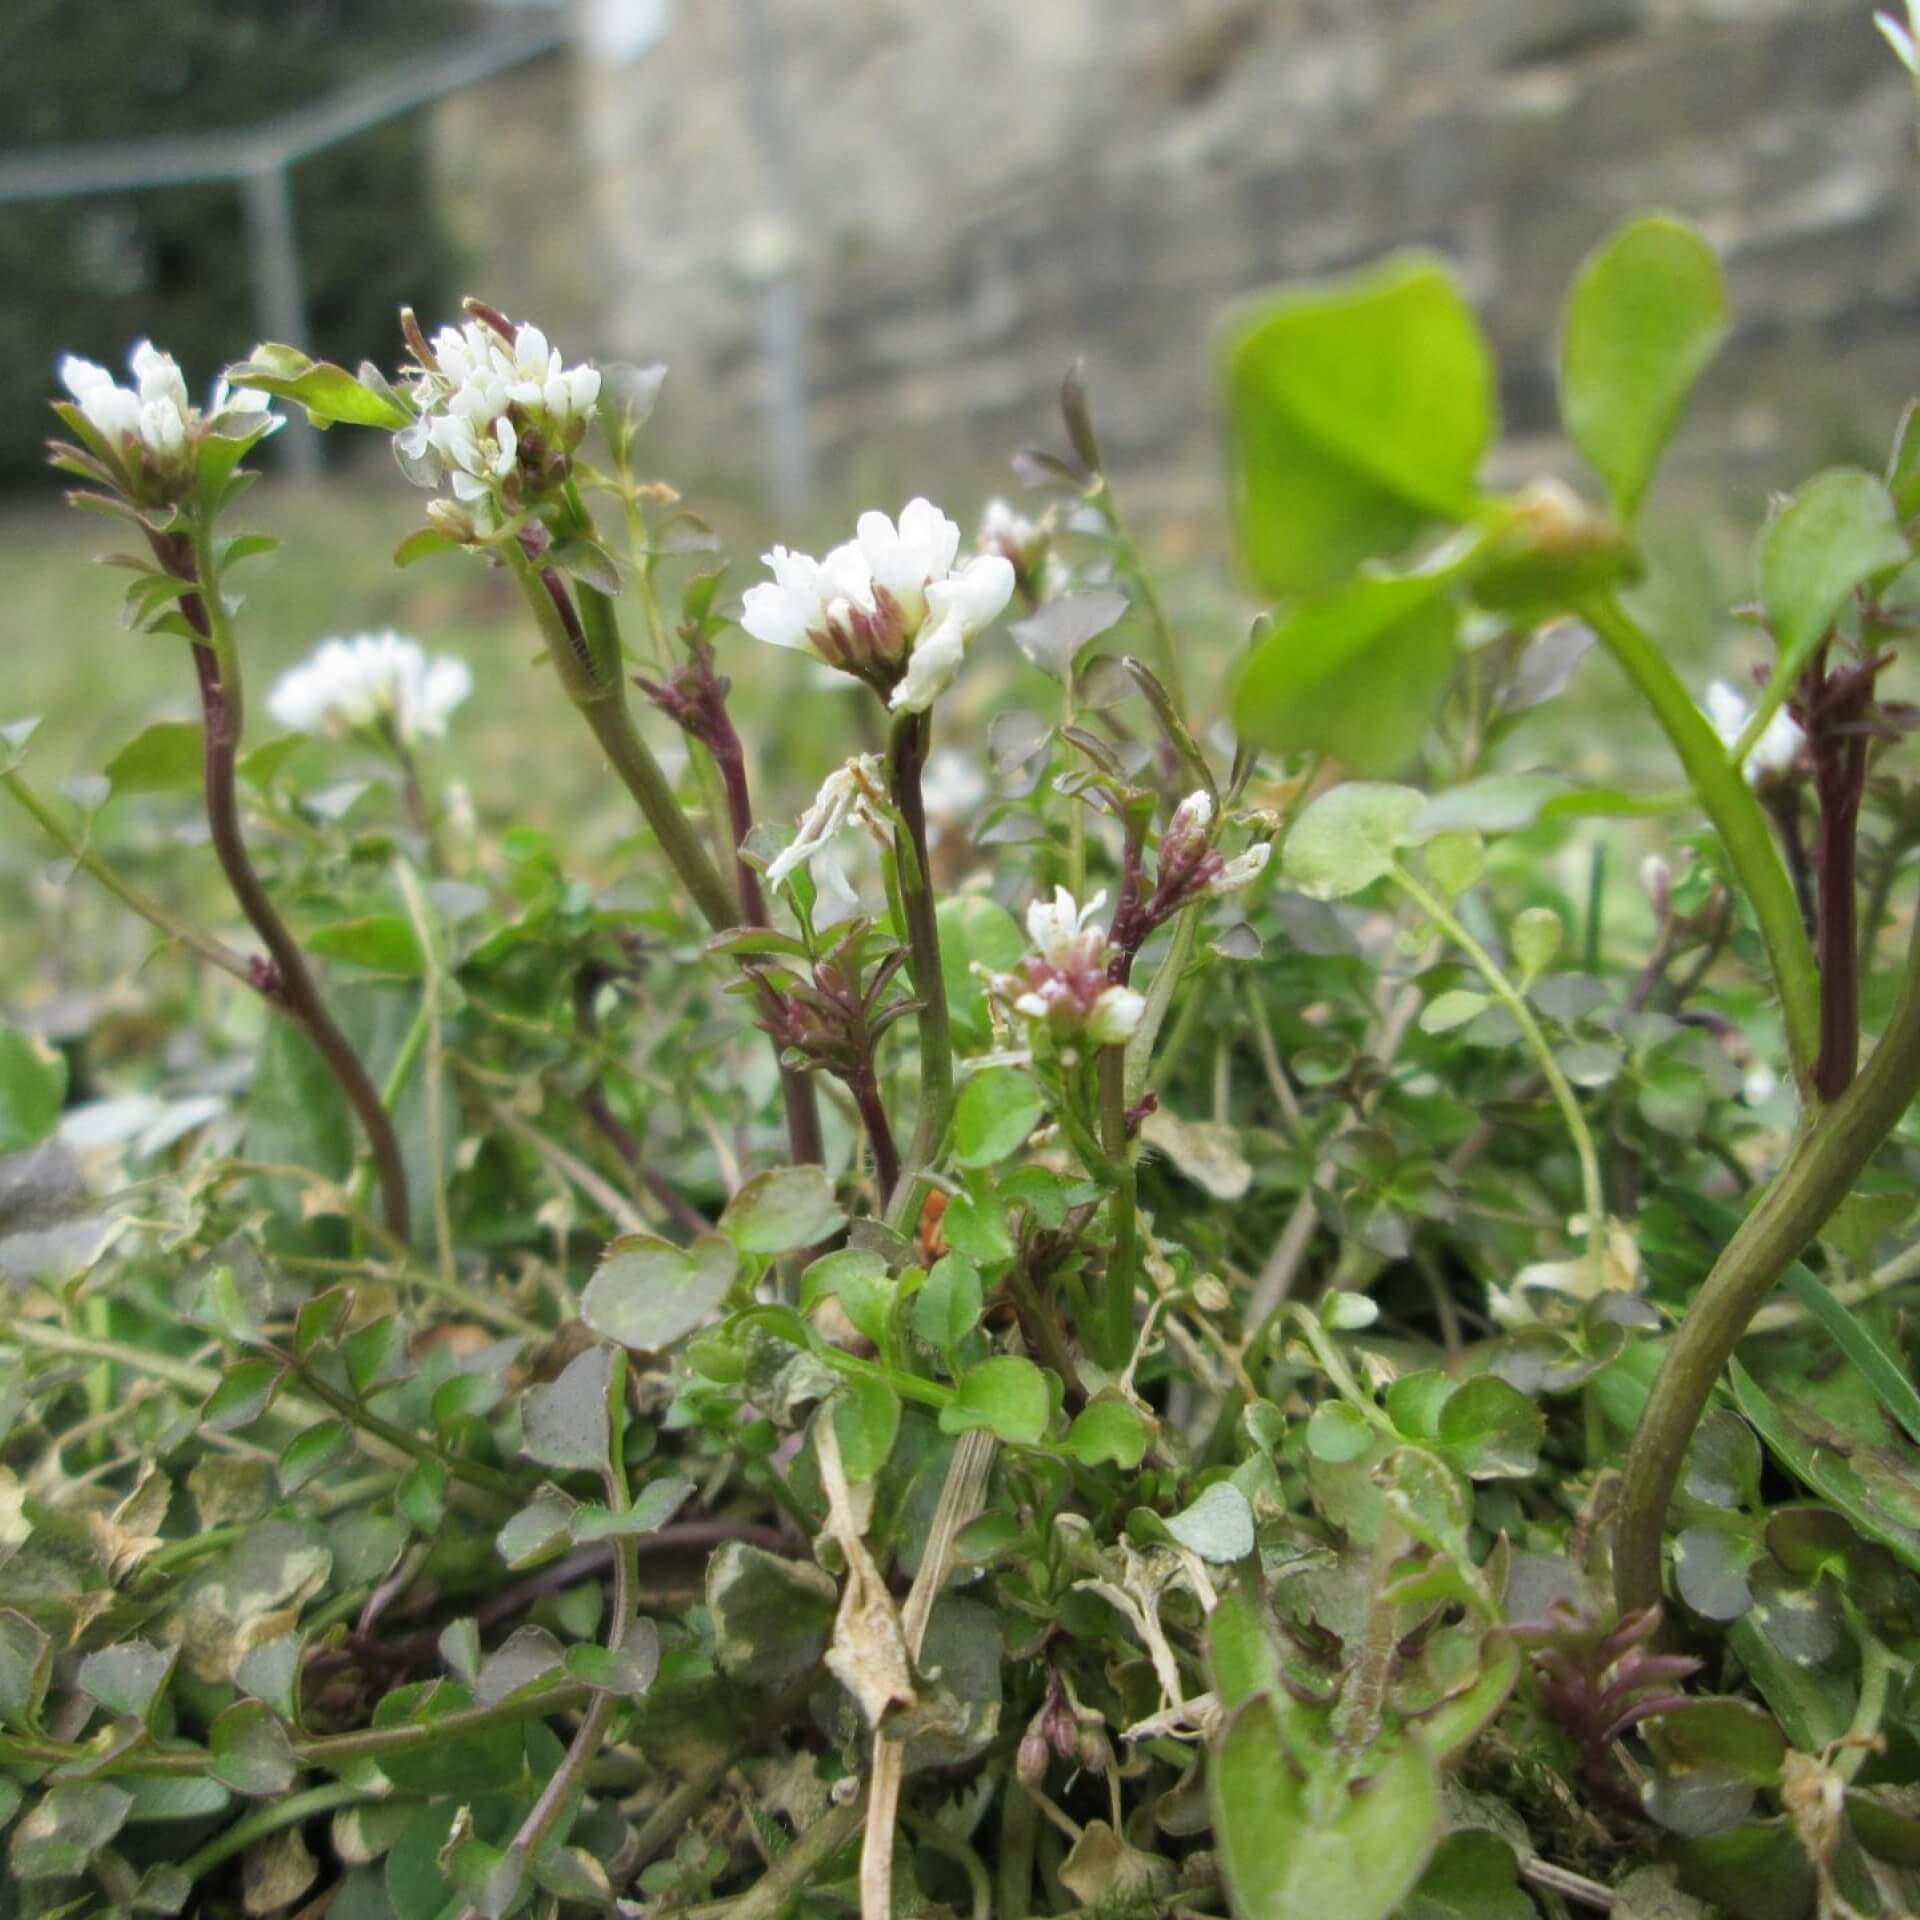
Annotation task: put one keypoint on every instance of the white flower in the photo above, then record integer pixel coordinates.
(1779, 744)
(1903, 39)
(228, 398)
(155, 411)
(1759, 1085)
(1056, 926)
(846, 794)
(1194, 814)
(1005, 529)
(372, 679)
(950, 789)
(478, 401)
(887, 606)
(1115, 1016)
(1241, 869)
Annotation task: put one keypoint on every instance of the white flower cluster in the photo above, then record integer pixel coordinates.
(888, 606)
(484, 404)
(849, 793)
(154, 413)
(1779, 744)
(1063, 986)
(371, 680)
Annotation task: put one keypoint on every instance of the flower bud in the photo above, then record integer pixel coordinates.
(1657, 878)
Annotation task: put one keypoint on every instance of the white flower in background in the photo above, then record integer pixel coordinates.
(888, 606)
(1778, 747)
(153, 416)
(487, 401)
(1759, 1084)
(950, 789)
(1903, 38)
(847, 794)
(1063, 986)
(371, 680)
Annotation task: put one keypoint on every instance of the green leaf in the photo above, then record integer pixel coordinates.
(167, 757)
(1359, 412)
(866, 1422)
(566, 1422)
(128, 1679)
(66, 1828)
(26, 1665)
(1883, 1369)
(1337, 1432)
(330, 394)
(250, 1751)
(653, 1506)
(1535, 938)
(378, 1354)
(1356, 672)
(245, 1392)
(974, 932)
(1218, 1526)
(1473, 1876)
(313, 1452)
(538, 1531)
(1006, 1395)
(947, 1307)
(1446, 1011)
(783, 1209)
(857, 1277)
(1646, 314)
(771, 1616)
(381, 942)
(1240, 1649)
(421, 1497)
(628, 1669)
(648, 1293)
(1291, 1848)
(1835, 534)
(993, 1116)
(1492, 1431)
(1108, 1430)
(1349, 838)
(33, 1087)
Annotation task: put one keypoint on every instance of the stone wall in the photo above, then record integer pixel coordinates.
(967, 194)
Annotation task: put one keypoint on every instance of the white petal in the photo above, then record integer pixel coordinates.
(936, 658)
(781, 616)
(977, 594)
(1727, 711)
(81, 377)
(1115, 1016)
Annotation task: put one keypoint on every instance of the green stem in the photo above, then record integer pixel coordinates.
(570, 1777)
(289, 1812)
(1127, 559)
(1832, 1148)
(1115, 1331)
(906, 760)
(1742, 824)
(215, 953)
(1510, 997)
(583, 643)
(431, 963)
(503, 1486)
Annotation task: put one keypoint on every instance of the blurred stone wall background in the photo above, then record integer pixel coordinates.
(941, 204)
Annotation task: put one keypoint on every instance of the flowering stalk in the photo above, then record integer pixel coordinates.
(697, 700)
(285, 978)
(1828, 1156)
(1114, 1339)
(583, 640)
(906, 760)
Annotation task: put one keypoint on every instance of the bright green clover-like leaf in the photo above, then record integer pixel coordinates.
(1359, 413)
(33, 1084)
(1356, 670)
(1006, 1395)
(1218, 1526)
(1291, 1847)
(1349, 838)
(947, 1307)
(1833, 536)
(251, 1751)
(866, 1422)
(1646, 315)
(1108, 1430)
(996, 1111)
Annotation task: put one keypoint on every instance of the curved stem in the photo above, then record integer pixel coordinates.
(583, 642)
(1827, 1158)
(216, 661)
(1509, 996)
(276, 1818)
(1731, 806)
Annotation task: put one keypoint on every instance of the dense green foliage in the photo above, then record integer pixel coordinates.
(1161, 1341)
